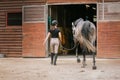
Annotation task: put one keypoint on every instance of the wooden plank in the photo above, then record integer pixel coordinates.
(33, 13)
(11, 36)
(11, 41)
(10, 47)
(13, 55)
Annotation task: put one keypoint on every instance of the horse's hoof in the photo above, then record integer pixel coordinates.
(94, 67)
(78, 60)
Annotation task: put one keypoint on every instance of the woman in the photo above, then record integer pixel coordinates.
(55, 35)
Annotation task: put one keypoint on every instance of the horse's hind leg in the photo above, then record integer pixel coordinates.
(94, 66)
(84, 57)
(78, 59)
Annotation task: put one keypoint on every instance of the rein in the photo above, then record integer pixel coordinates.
(68, 48)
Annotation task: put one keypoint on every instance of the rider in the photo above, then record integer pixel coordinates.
(55, 34)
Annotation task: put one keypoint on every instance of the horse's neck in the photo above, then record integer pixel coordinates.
(78, 29)
(80, 25)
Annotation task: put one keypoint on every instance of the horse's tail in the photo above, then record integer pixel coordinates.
(88, 36)
(88, 45)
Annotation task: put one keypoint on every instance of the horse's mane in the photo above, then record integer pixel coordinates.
(77, 21)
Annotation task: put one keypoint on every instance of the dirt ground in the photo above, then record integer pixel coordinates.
(66, 69)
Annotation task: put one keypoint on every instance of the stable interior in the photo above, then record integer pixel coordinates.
(65, 15)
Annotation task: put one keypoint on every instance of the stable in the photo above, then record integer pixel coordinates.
(24, 24)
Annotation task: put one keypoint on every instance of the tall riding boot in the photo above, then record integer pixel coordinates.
(55, 59)
(52, 56)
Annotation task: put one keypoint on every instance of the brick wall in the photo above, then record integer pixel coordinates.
(33, 37)
(109, 39)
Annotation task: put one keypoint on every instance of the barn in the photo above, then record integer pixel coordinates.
(24, 25)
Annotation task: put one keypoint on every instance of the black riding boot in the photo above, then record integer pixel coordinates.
(52, 56)
(55, 59)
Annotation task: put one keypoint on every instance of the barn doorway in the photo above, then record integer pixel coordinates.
(65, 15)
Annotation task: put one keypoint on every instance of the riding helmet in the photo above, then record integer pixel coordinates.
(54, 22)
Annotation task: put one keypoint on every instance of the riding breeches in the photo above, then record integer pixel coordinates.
(54, 45)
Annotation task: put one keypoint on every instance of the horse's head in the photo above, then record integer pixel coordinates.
(74, 31)
(73, 28)
(75, 25)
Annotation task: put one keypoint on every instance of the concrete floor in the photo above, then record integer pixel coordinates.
(66, 69)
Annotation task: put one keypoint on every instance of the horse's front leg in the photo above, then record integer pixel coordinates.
(78, 58)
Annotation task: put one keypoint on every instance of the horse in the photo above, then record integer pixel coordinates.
(84, 33)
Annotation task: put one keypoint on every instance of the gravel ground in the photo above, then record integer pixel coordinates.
(66, 69)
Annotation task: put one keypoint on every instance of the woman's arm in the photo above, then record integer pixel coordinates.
(48, 35)
(60, 36)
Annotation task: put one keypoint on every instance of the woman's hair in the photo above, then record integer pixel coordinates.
(54, 22)
(52, 27)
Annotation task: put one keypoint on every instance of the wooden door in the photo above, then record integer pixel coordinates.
(34, 28)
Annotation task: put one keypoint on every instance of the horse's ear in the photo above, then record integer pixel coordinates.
(73, 25)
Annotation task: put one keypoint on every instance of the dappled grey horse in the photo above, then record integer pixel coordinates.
(84, 33)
